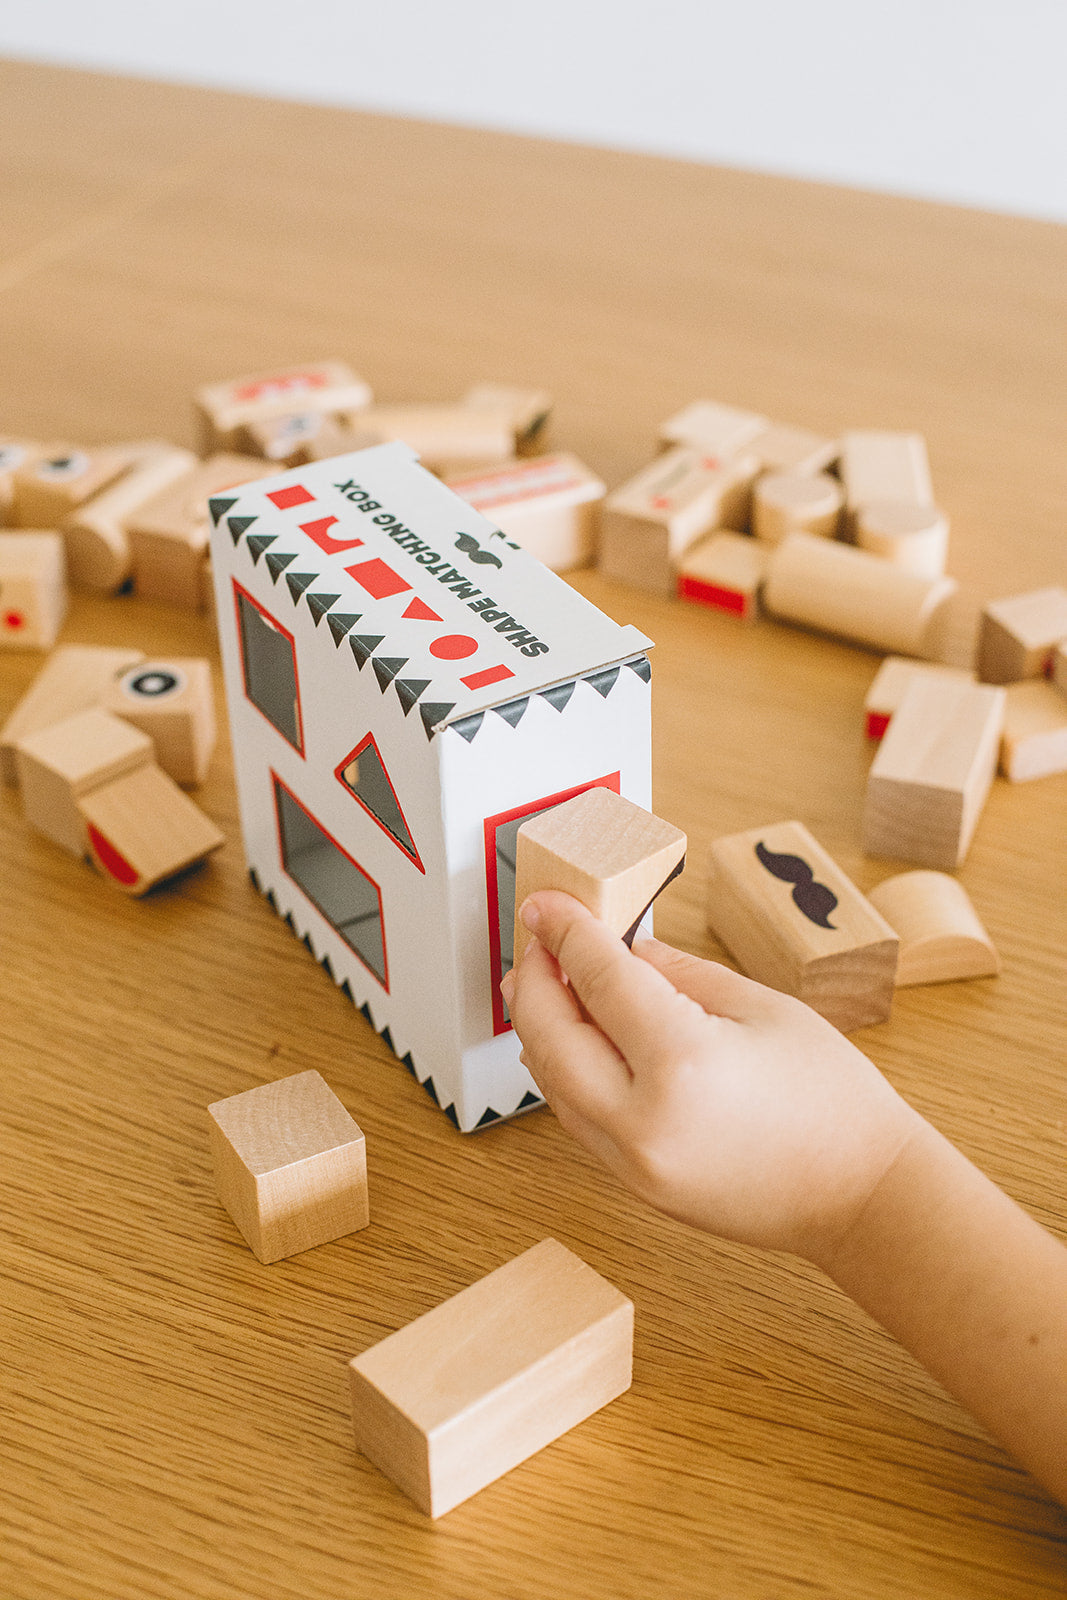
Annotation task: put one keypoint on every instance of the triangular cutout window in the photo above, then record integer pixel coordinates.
(364, 775)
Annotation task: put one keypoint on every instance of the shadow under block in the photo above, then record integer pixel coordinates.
(837, 589)
(95, 534)
(223, 409)
(1034, 741)
(791, 919)
(890, 683)
(73, 678)
(794, 502)
(168, 534)
(142, 829)
(1017, 637)
(612, 855)
(172, 702)
(483, 1381)
(48, 487)
(548, 503)
(33, 590)
(290, 1165)
(64, 761)
(1059, 668)
(528, 411)
(933, 771)
(912, 537)
(941, 937)
(650, 522)
(725, 572)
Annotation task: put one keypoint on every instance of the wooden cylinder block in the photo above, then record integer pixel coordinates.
(913, 537)
(941, 937)
(837, 589)
(794, 502)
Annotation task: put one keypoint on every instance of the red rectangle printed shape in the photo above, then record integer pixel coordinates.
(378, 578)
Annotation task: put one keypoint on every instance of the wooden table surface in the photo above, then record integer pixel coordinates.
(175, 1415)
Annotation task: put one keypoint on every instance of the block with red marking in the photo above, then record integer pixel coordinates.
(326, 387)
(56, 765)
(548, 503)
(33, 590)
(724, 572)
(890, 683)
(142, 829)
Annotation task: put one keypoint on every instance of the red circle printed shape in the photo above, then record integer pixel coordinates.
(453, 647)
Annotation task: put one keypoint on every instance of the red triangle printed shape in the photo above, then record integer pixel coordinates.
(419, 611)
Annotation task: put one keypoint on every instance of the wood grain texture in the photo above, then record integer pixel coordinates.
(178, 1425)
(941, 937)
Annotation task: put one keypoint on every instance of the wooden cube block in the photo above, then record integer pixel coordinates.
(33, 590)
(290, 1165)
(791, 919)
(95, 534)
(48, 486)
(941, 937)
(612, 855)
(59, 763)
(528, 409)
(714, 429)
(547, 503)
(169, 533)
(913, 537)
(785, 449)
(171, 701)
(223, 409)
(142, 829)
(295, 439)
(725, 572)
(794, 502)
(448, 433)
(837, 589)
(880, 465)
(14, 453)
(1017, 637)
(890, 682)
(933, 771)
(73, 678)
(650, 522)
(480, 1383)
(1034, 741)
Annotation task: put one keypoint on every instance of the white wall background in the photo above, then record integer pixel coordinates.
(960, 100)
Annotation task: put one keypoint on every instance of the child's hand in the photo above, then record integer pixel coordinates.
(725, 1104)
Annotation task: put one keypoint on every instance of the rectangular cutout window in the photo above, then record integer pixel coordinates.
(268, 660)
(501, 833)
(336, 885)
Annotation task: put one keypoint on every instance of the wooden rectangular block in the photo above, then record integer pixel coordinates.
(1017, 637)
(486, 1379)
(290, 1165)
(941, 938)
(49, 486)
(295, 439)
(795, 502)
(169, 533)
(548, 503)
(141, 829)
(95, 534)
(786, 449)
(14, 453)
(612, 855)
(714, 429)
(528, 410)
(881, 465)
(171, 701)
(446, 433)
(725, 572)
(73, 678)
(890, 682)
(933, 771)
(650, 522)
(223, 409)
(791, 919)
(59, 763)
(1034, 741)
(33, 590)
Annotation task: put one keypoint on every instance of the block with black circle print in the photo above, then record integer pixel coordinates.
(170, 700)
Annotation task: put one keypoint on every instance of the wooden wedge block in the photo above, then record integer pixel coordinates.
(483, 1381)
(890, 682)
(881, 465)
(1017, 637)
(95, 534)
(650, 522)
(791, 919)
(290, 1165)
(171, 701)
(832, 587)
(941, 937)
(912, 537)
(794, 502)
(714, 429)
(784, 449)
(933, 771)
(33, 590)
(548, 503)
(223, 409)
(612, 855)
(169, 533)
(75, 677)
(725, 572)
(58, 764)
(142, 829)
(48, 487)
(1034, 741)
(528, 410)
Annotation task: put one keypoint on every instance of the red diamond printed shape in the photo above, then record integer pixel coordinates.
(378, 578)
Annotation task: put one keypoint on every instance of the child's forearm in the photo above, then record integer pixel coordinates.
(975, 1289)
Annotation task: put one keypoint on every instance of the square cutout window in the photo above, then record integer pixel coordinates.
(268, 660)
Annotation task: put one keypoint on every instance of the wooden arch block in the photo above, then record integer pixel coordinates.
(941, 937)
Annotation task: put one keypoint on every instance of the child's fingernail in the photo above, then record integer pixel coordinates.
(529, 916)
(507, 987)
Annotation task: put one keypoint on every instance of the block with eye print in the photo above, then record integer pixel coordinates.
(170, 700)
(791, 919)
(50, 484)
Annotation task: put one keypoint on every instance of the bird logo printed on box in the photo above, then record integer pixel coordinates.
(406, 687)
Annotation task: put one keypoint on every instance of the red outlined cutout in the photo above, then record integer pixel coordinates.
(378, 578)
(239, 594)
(294, 495)
(492, 897)
(318, 533)
(278, 784)
(339, 773)
(482, 680)
(453, 647)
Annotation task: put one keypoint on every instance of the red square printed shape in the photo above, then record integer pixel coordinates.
(295, 495)
(378, 578)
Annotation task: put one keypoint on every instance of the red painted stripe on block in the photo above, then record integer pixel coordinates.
(710, 594)
(110, 859)
(877, 723)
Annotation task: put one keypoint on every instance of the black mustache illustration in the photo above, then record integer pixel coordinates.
(815, 900)
(472, 548)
